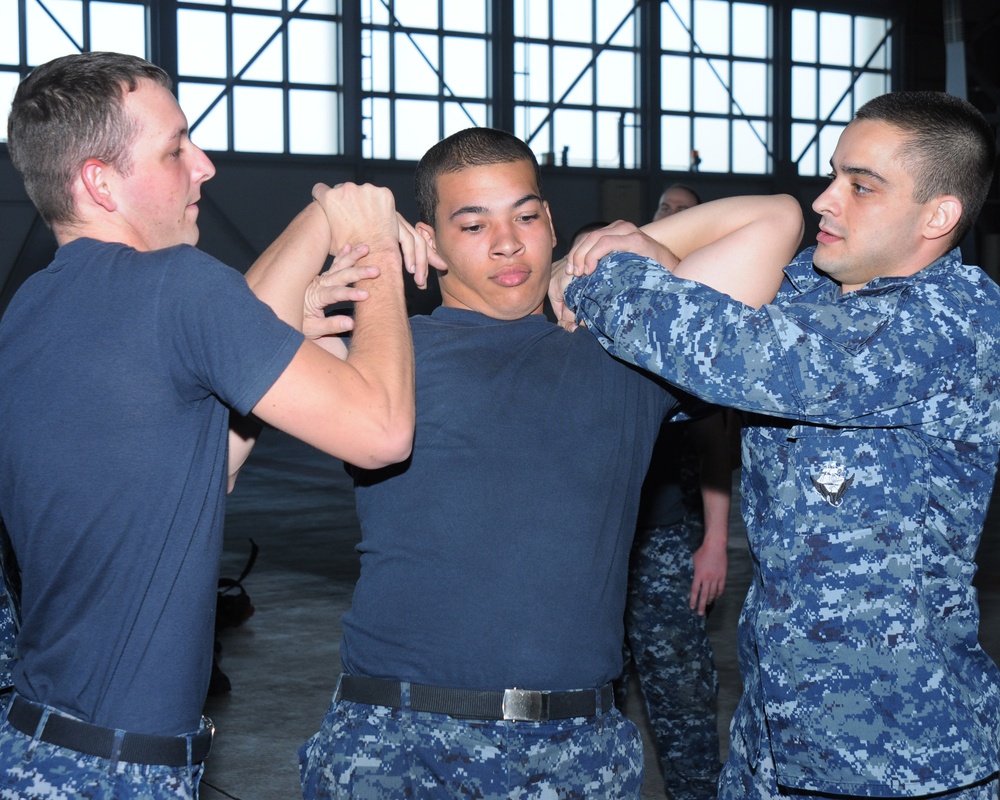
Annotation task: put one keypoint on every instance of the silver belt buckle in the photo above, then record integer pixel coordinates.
(522, 705)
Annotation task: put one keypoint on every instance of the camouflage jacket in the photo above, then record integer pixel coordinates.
(869, 453)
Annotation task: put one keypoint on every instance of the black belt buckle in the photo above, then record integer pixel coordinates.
(523, 705)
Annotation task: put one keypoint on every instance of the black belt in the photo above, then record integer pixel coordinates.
(93, 740)
(522, 705)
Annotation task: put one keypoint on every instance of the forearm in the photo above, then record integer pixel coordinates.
(737, 245)
(381, 349)
(283, 272)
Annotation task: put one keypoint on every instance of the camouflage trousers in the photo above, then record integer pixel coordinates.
(375, 752)
(667, 645)
(34, 770)
(740, 782)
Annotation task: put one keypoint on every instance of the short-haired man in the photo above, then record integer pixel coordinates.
(676, 197)
(486, 624)
(120, 363)
(872, 386)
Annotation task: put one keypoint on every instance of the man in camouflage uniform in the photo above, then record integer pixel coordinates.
(872, 386)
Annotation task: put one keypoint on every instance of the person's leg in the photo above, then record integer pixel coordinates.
(577, 759)
(673, 659)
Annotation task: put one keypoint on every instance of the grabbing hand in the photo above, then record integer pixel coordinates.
(332, 287)
(622, 236)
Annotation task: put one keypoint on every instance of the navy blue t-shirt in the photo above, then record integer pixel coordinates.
(497, 556)
(117, 368)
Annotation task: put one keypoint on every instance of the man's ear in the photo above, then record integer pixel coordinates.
(552, 227)
(427, 232)
(94, 175)
(946, 212)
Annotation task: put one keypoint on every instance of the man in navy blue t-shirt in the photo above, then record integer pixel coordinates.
(486, 624)
(120, 364)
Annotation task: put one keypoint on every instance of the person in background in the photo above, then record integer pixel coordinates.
(676, 197)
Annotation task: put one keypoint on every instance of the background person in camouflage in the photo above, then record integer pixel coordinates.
(872, 386)
(497, 556)
(677, 568)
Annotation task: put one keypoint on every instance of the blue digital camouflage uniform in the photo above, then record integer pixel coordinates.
(34, 770)
(380, 753)
(864, 491)
(666, 642)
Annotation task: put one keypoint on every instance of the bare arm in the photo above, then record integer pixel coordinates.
(360, 409)
(711, 438)
(737, 245)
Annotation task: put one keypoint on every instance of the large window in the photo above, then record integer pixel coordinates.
(716, 74)
(261, 76)
(425, 73)
(839, 61)
(730, 86)
(576, 81)
(53, 28)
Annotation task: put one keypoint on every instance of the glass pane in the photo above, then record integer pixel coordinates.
(258, 117)
(749, 151)
(568, 64)
(616, 81)
(803, 35)
(711, 141)
(210, 133)
(868, 36)
(269, 5)
(8, 85)
(711, 26)
(376, 126)
(416, 13)
(828, 138)
(750, 31)
(751, 87)
(532, 65)
(374, 12)
(610, 14)
(573, 130)
(459, 116)
(413, 72)
(675, 25)
(675, 83)
(572, 20)
(416, 128)
(675, 144)
(10, 47)
(869, 85)
(314, 122)
(250, 34)
(319, 6)
(615, 132)
(465, 15)
(711, 80)
(835, 39)
(834, 95)
(119, 27)
(533, 126)
(378, 63)
(804, 98)
(313, 51)
(200, 43)
(805, 147)
(531, 19)
(465, 65)
(46, 40)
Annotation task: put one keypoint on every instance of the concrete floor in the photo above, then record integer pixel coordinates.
(297, 505)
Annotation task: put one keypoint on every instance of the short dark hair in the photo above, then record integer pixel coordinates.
(68, 110)
(472, 147)
(686, 188)
(950, 147)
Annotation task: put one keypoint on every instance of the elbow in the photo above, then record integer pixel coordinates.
(393, 444)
